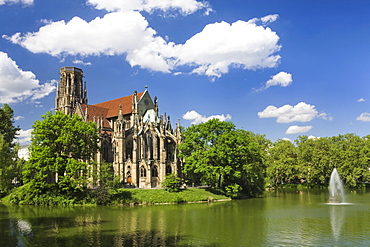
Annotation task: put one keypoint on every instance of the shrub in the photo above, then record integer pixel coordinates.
(172, 183)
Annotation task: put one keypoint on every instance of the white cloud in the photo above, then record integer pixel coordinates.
(24, 136)
(282, 79)
(313, 137)
(297, 129)
(269, 18)
(220, 46)
(211, 52)
(287, 139)
(325, 116)
(185, 7)
(17, 85)
(197, 118)
(18, 118)
(301, 112)
(364, 117)
(361, 100)
(24, 2)
(76, 61)
(102, 36)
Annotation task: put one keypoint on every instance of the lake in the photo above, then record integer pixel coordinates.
(281, 218)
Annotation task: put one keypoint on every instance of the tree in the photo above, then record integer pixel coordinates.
(283, 163)
(219, 155)
(351, 158)
(9, 169)
(172, 183)
(61, 149)
(7, 128)
(315, 159)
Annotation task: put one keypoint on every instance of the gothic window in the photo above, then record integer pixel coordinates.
(168, 170)
(150, 146)
(155, 171)
(107, 151)
(169, 149)
(129, 150)
(142, 172)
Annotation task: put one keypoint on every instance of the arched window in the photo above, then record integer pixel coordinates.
(142, 172)
(155, 171)
(168, 169)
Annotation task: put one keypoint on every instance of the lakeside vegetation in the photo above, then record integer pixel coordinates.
(231, 162)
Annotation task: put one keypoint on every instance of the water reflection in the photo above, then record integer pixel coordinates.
(337, 217)
(282, 219)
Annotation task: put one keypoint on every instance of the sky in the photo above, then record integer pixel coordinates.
(278, 68)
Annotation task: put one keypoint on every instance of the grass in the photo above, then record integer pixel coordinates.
(161, 196)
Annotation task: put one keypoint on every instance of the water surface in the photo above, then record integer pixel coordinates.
(278, 219)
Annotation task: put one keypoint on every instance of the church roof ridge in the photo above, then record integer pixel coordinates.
(113, 105)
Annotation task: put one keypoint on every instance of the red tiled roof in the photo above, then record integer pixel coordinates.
(109, 108)
(95, 111)
(113, 105)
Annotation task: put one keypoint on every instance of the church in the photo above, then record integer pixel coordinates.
(139, 143)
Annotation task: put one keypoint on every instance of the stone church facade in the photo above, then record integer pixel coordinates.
(140, 144)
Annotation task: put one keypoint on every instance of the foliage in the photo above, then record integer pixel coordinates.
(106, 176)
(7, 129)
(313, 159)
(172, 183)
(61, 149)
(219, 155)
(282, 163)
(10, 165)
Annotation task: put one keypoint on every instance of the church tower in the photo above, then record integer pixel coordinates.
(71, 90)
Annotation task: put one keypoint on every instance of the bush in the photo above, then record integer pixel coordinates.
(172, 183)
(233, 190)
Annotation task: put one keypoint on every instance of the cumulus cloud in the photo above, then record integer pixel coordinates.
(185, 7)
(219, 46)
(197, 118)
(282, 79)
(361, 100)
(24, 136)
(23, 2)
(297, 129)
(301, 112)
(364, 117)
(17, 85)
(211, 52)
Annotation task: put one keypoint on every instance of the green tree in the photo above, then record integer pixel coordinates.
(9, 164)
(282, 164)
(351, 158)
(7, 128)
(219, 155)
(172, 183)
(315, 159)
(61, 149)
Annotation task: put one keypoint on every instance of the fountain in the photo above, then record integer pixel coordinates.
(336, 189)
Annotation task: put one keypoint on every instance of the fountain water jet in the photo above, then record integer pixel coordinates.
(336, 189)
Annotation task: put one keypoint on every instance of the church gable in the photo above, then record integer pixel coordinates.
(145, 103)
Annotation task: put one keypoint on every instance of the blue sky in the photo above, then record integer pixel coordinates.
(279, 68)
